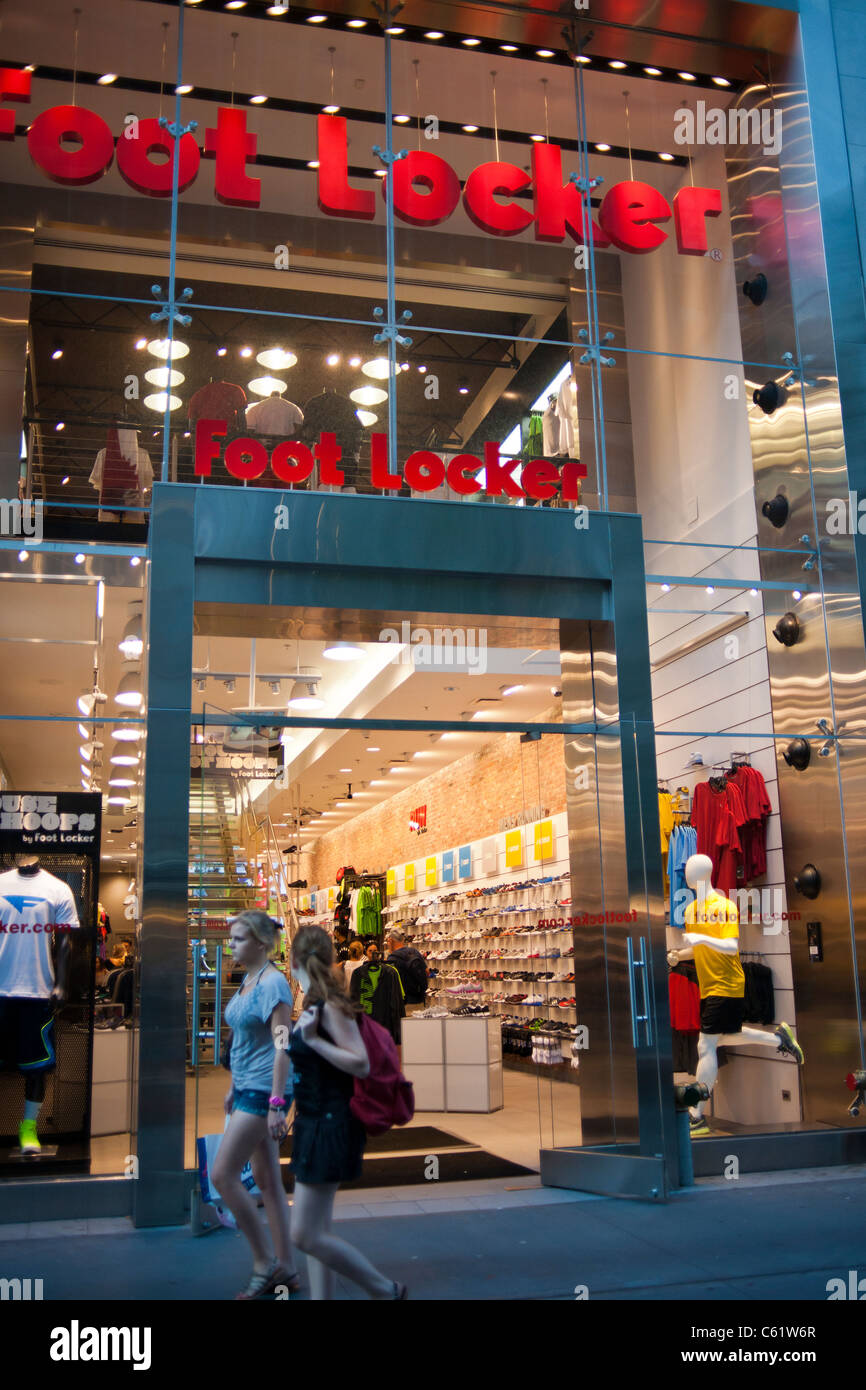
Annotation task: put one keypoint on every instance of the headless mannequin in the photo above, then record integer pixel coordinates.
(699, 868)
(34, 1082)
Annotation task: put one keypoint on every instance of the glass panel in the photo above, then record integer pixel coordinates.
(71, 748)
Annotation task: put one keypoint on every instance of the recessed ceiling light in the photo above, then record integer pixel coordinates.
(617, 63)
(278, 8)
(470, 43)
(354, 361)
(666, 157)
(22, 556)
(509, 689)
(333, 359)
(380, 173)
(330, 110)
(394, 29)
(602, 149)
(434, 34)
(402, 120)
(373, 748)
(537, 137)
(687, 76)
(235, 4)
(61, 425)
(653, 72)
(582, 58)
(258, 100)
(312, 164)
(343, 651)
(316, 18)
(665, 588)
(721, 82)
(345, 769)
(184, 90)
(356, 24)
(710, 589)
(135, 560)
(246, 352)
(544, 52)
(106, 79)
(64, 481)
(470, 129)
(508, 47)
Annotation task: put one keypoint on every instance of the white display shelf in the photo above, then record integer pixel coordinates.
(454, 1064)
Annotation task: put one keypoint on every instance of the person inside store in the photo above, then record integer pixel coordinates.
(371, 951)
(328, 1052)
(343, 939)
(260, 1017)
(356, 958)
(412, 969)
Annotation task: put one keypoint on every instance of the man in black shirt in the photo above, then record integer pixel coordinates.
(410, 966)
(343, 939)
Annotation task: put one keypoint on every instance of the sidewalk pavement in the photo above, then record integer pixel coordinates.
(766, 1236)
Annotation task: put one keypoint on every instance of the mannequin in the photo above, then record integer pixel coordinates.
(219, 400)
(550, 428)
(274, 417)
(566, 413)
(722, 984)
(122, 473)
(33, 904)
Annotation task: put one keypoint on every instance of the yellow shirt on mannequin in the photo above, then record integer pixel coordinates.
(718, 974)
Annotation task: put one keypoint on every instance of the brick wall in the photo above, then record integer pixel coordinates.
(465, 801)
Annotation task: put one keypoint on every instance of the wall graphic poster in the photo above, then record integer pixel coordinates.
(448, 866)
(409, 878)
(430, 871)
(489, 856)
(513, 849)
(543, 847)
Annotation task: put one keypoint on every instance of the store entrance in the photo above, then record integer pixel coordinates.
(435, 825)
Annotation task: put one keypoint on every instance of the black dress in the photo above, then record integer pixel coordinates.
(327, 1141)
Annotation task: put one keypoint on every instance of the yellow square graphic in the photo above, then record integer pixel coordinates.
(430, 871)
(513, 848)
(391, 882)
(543, 848)
(409, 878)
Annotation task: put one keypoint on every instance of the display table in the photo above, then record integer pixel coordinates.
(454, 1064)
(111, 1094)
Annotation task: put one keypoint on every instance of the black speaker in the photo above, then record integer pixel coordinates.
(808, 881)
(787, 630)
(769, 397)
(756, 289)
(797, 754)
(776, 510)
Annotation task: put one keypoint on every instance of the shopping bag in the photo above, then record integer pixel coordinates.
(207, 1146)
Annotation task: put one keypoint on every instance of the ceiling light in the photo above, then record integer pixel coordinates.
(61, 425)
(121, 781)
(57, 353)
(83, 731)
(653, 72)
(330, 110)
(303, 696)
(368, 395)
(356, 24)
(124, 757)
(159, 400)
(274, 687)
(135, 561)
(278, 8)
(508, 47)
(184, 90)
(470, 129)
(64, 481)
(602, 149)
(167, 349)
(378, 368)
(342, 651)
(721, 82)
(258, 100)
(617, 63)
(266, 385)
(118, 801)
(200, 684)
(687, 76)
(131, 643)
(380, 173)
(544, 52)
(394, 29)
(463, 388)
(367, 417)
(666, 157)
(345, 769)
(164, 376)
(229, 685)
(402, 120)
(754, 593)
(666, 588)
(22, 556)
(795, 593)
(129, 692)
(276, 359)
(316, 18)
(434, 34)
(373, 748)
(221, 351)
(312, 164)
(470, 43)
(582, 58)
(536, 137)
(79, 558)
(510, 689)
(87, 750)
(333, 359)
(246, 352)
(127, 733)
(106, 79)
(88, 702)
(710, 589)
(235, 4)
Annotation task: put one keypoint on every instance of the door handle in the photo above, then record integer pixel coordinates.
(638, 970)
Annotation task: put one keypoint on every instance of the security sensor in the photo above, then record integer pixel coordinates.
(755, 289)
(769, 397)
(776, 510)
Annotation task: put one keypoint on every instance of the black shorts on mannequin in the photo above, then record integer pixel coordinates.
(27, 1035)
(722, 1014)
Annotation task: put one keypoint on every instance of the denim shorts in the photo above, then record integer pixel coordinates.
(255, 1102)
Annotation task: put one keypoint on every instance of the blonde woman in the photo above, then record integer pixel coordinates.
(356, 958)
(260, 1017)
(328, 1052)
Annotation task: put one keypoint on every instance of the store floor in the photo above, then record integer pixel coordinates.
(538, 1113)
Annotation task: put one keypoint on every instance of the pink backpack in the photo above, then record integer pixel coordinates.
(384, 1097)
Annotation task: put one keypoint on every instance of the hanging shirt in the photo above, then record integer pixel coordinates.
(550, 430)
(750, 783)
(275, 416)
(717, 817)
(219, 400)
(566, 409)
(122, 471)
(32, 907)
(683, 844)
(718, 974)
(666, 819)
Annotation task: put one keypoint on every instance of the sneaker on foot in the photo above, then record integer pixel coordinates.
(28, 1141)
(697, 1126)
(788, 1043)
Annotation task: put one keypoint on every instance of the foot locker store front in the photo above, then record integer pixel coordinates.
(445, 463)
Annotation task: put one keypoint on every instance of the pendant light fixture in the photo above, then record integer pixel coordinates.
(123, 756)
(132, 641)
(332, 108)
(303, 696)
(276, 359)
(342, 651)
(129, 692)
(368, 395)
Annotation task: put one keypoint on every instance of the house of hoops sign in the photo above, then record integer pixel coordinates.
(73, 145)
(243, 765)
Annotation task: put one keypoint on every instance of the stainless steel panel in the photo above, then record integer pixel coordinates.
(766, 1153)
(613, 1173)
(16, 268)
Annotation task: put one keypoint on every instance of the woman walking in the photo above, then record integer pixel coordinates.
(260, 1016)
(328, 1142)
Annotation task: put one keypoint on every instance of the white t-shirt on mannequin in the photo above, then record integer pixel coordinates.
(31, 907)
